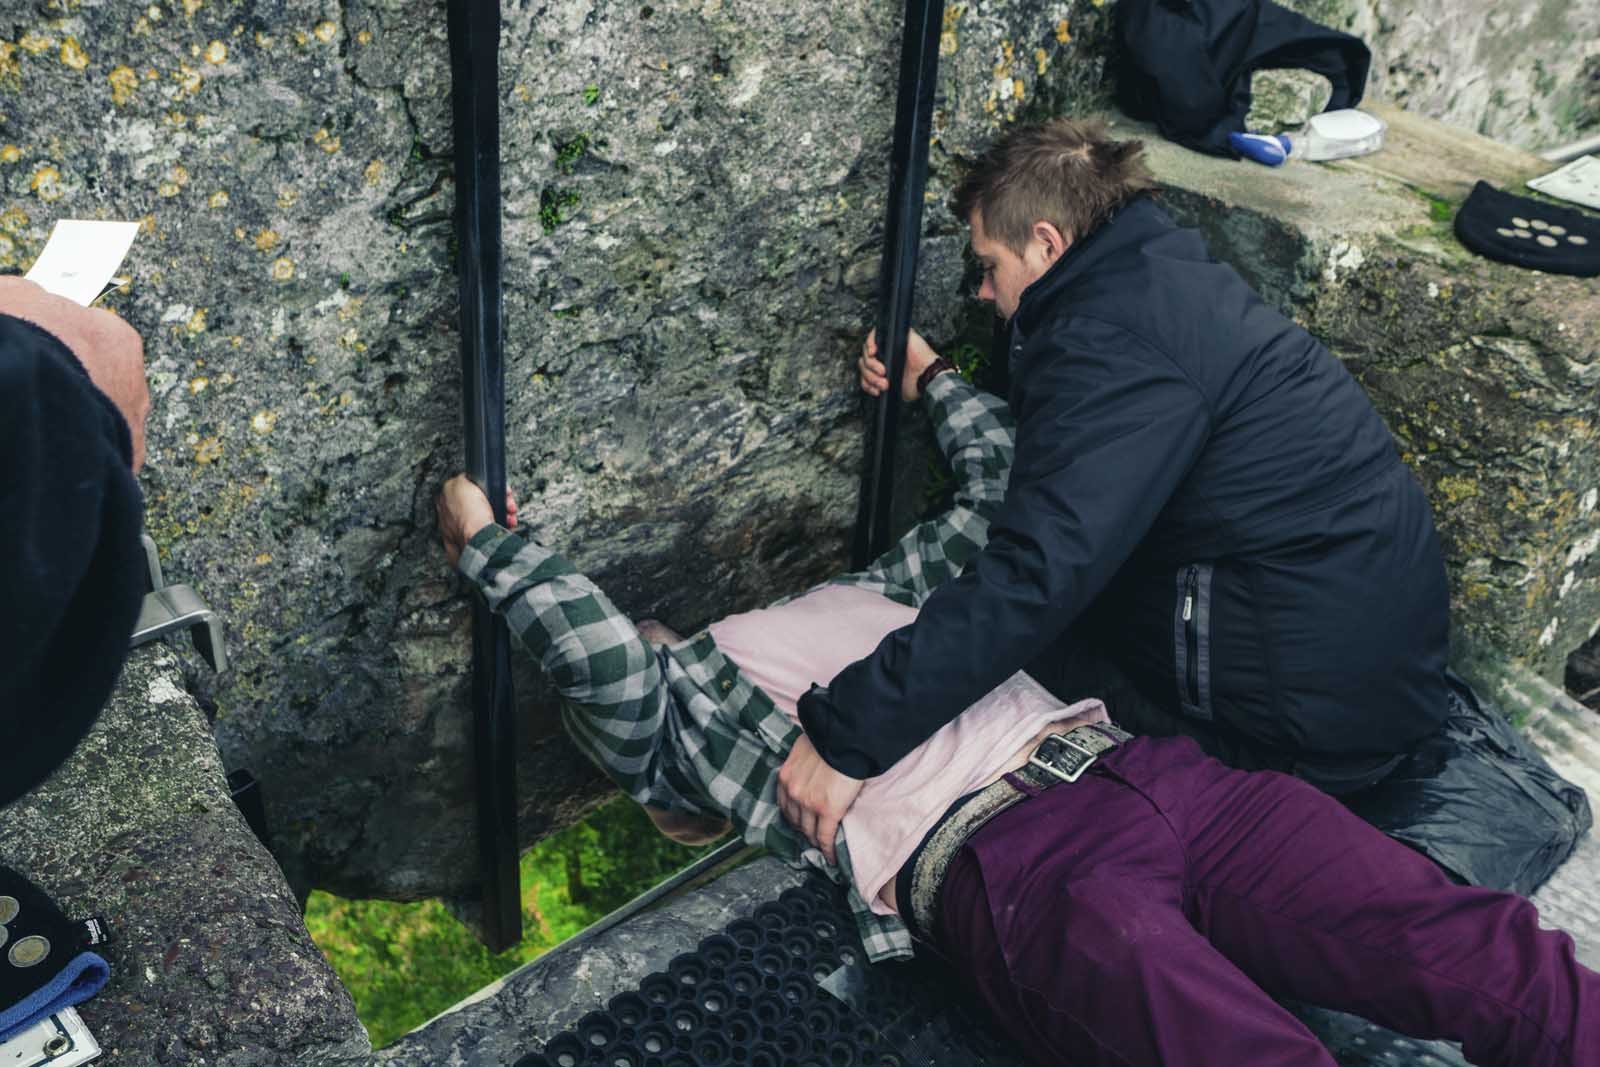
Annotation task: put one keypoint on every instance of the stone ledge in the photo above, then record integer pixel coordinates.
(210, 960)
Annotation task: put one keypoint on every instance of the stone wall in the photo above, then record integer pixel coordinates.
(693, 196)
(1526, 73)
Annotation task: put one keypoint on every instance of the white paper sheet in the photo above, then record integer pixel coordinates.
(1578, 181)
(81, 257)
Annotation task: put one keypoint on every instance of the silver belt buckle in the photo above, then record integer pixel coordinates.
(1065, 756)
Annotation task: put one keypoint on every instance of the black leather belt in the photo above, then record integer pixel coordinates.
(1058, 758)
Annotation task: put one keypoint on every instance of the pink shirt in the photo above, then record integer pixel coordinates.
(810, 639)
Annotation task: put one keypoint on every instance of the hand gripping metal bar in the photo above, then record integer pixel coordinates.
(908, 178)
(474, 31)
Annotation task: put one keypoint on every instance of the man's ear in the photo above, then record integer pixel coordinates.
(1053, 240)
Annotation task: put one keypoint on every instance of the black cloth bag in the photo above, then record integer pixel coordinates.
(1186, 64)
(46, 964)
(1529, 233)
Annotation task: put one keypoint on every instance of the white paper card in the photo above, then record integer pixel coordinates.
(1578, 182)
(81, 257)
(59, 1040)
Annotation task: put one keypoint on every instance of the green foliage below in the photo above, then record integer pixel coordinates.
(405, 963)
(591, 95)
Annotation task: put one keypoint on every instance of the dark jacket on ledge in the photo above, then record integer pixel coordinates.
(71, 567)
(1202, 491)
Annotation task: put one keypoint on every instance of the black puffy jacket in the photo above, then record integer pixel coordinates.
(1205, 487)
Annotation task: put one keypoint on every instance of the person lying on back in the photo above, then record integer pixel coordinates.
(1130, 899)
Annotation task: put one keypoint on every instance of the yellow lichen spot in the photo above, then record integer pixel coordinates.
(322, 139)
(947, 43)
(1041, 59)
(346, 398)
(190, 7)
(198, 386)
(373, 174)
(300, 37)
(73, 55)
(1063, 31)
(263, 558)
(34, 43)
(124, 83)
(331, 145)
(177, 119)
(216, 53)
(287, 197)
(10, 153)
(266, 239)
(282, 269)
(13, 219)
(208, 450)
(197, 321)
(364, 37)
(46, 183)
(238, 231)
(188, 78)
(174, 182)
(263, 421)
(10, 69)
(326, 31)
(264, 41)
(1017, 89)
(147, 225)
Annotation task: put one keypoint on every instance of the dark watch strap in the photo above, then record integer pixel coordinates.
(932, 370)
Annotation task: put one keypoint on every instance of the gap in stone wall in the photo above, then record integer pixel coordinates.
(1583, 673)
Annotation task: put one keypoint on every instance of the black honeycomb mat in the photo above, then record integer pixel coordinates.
(788, 986)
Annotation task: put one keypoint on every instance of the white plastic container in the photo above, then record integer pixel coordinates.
(1337, 135)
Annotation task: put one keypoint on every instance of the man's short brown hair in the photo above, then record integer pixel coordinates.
(1067, 172)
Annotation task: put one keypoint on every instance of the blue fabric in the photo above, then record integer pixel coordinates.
(75, 983)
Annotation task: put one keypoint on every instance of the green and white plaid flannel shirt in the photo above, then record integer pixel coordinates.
(682, 727)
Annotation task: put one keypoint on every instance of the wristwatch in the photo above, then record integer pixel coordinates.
(931, 371)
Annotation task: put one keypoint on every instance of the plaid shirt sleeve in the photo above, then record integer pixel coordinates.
(978, 437)
(617, 707)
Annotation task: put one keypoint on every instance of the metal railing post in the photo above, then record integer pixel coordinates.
(474, 30)
(908, 178)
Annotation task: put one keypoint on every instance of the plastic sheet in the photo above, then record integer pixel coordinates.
(1480, 801)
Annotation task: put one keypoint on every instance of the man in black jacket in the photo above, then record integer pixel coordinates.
(73, 402)
(1204, 504)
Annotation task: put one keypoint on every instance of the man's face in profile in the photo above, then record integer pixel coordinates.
(1005, 273)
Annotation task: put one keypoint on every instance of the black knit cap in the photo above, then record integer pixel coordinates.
(71, 565)
(1529, 233)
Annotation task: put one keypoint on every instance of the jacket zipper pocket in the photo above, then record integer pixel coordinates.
(1191, 636)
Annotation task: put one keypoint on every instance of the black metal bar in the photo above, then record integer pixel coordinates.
(908, 178)
(474, 29)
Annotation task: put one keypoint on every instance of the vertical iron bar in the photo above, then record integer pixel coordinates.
(474, 30)
(908, 178)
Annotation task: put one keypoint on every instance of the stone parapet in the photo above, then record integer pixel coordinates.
(210, 960)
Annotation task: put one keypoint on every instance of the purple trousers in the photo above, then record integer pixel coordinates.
(1149, 912)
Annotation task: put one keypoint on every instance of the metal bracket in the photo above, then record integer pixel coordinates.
(168, 609)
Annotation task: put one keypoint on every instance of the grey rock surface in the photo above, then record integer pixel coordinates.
(1527, 74)
(210, 960)
(693, 193)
